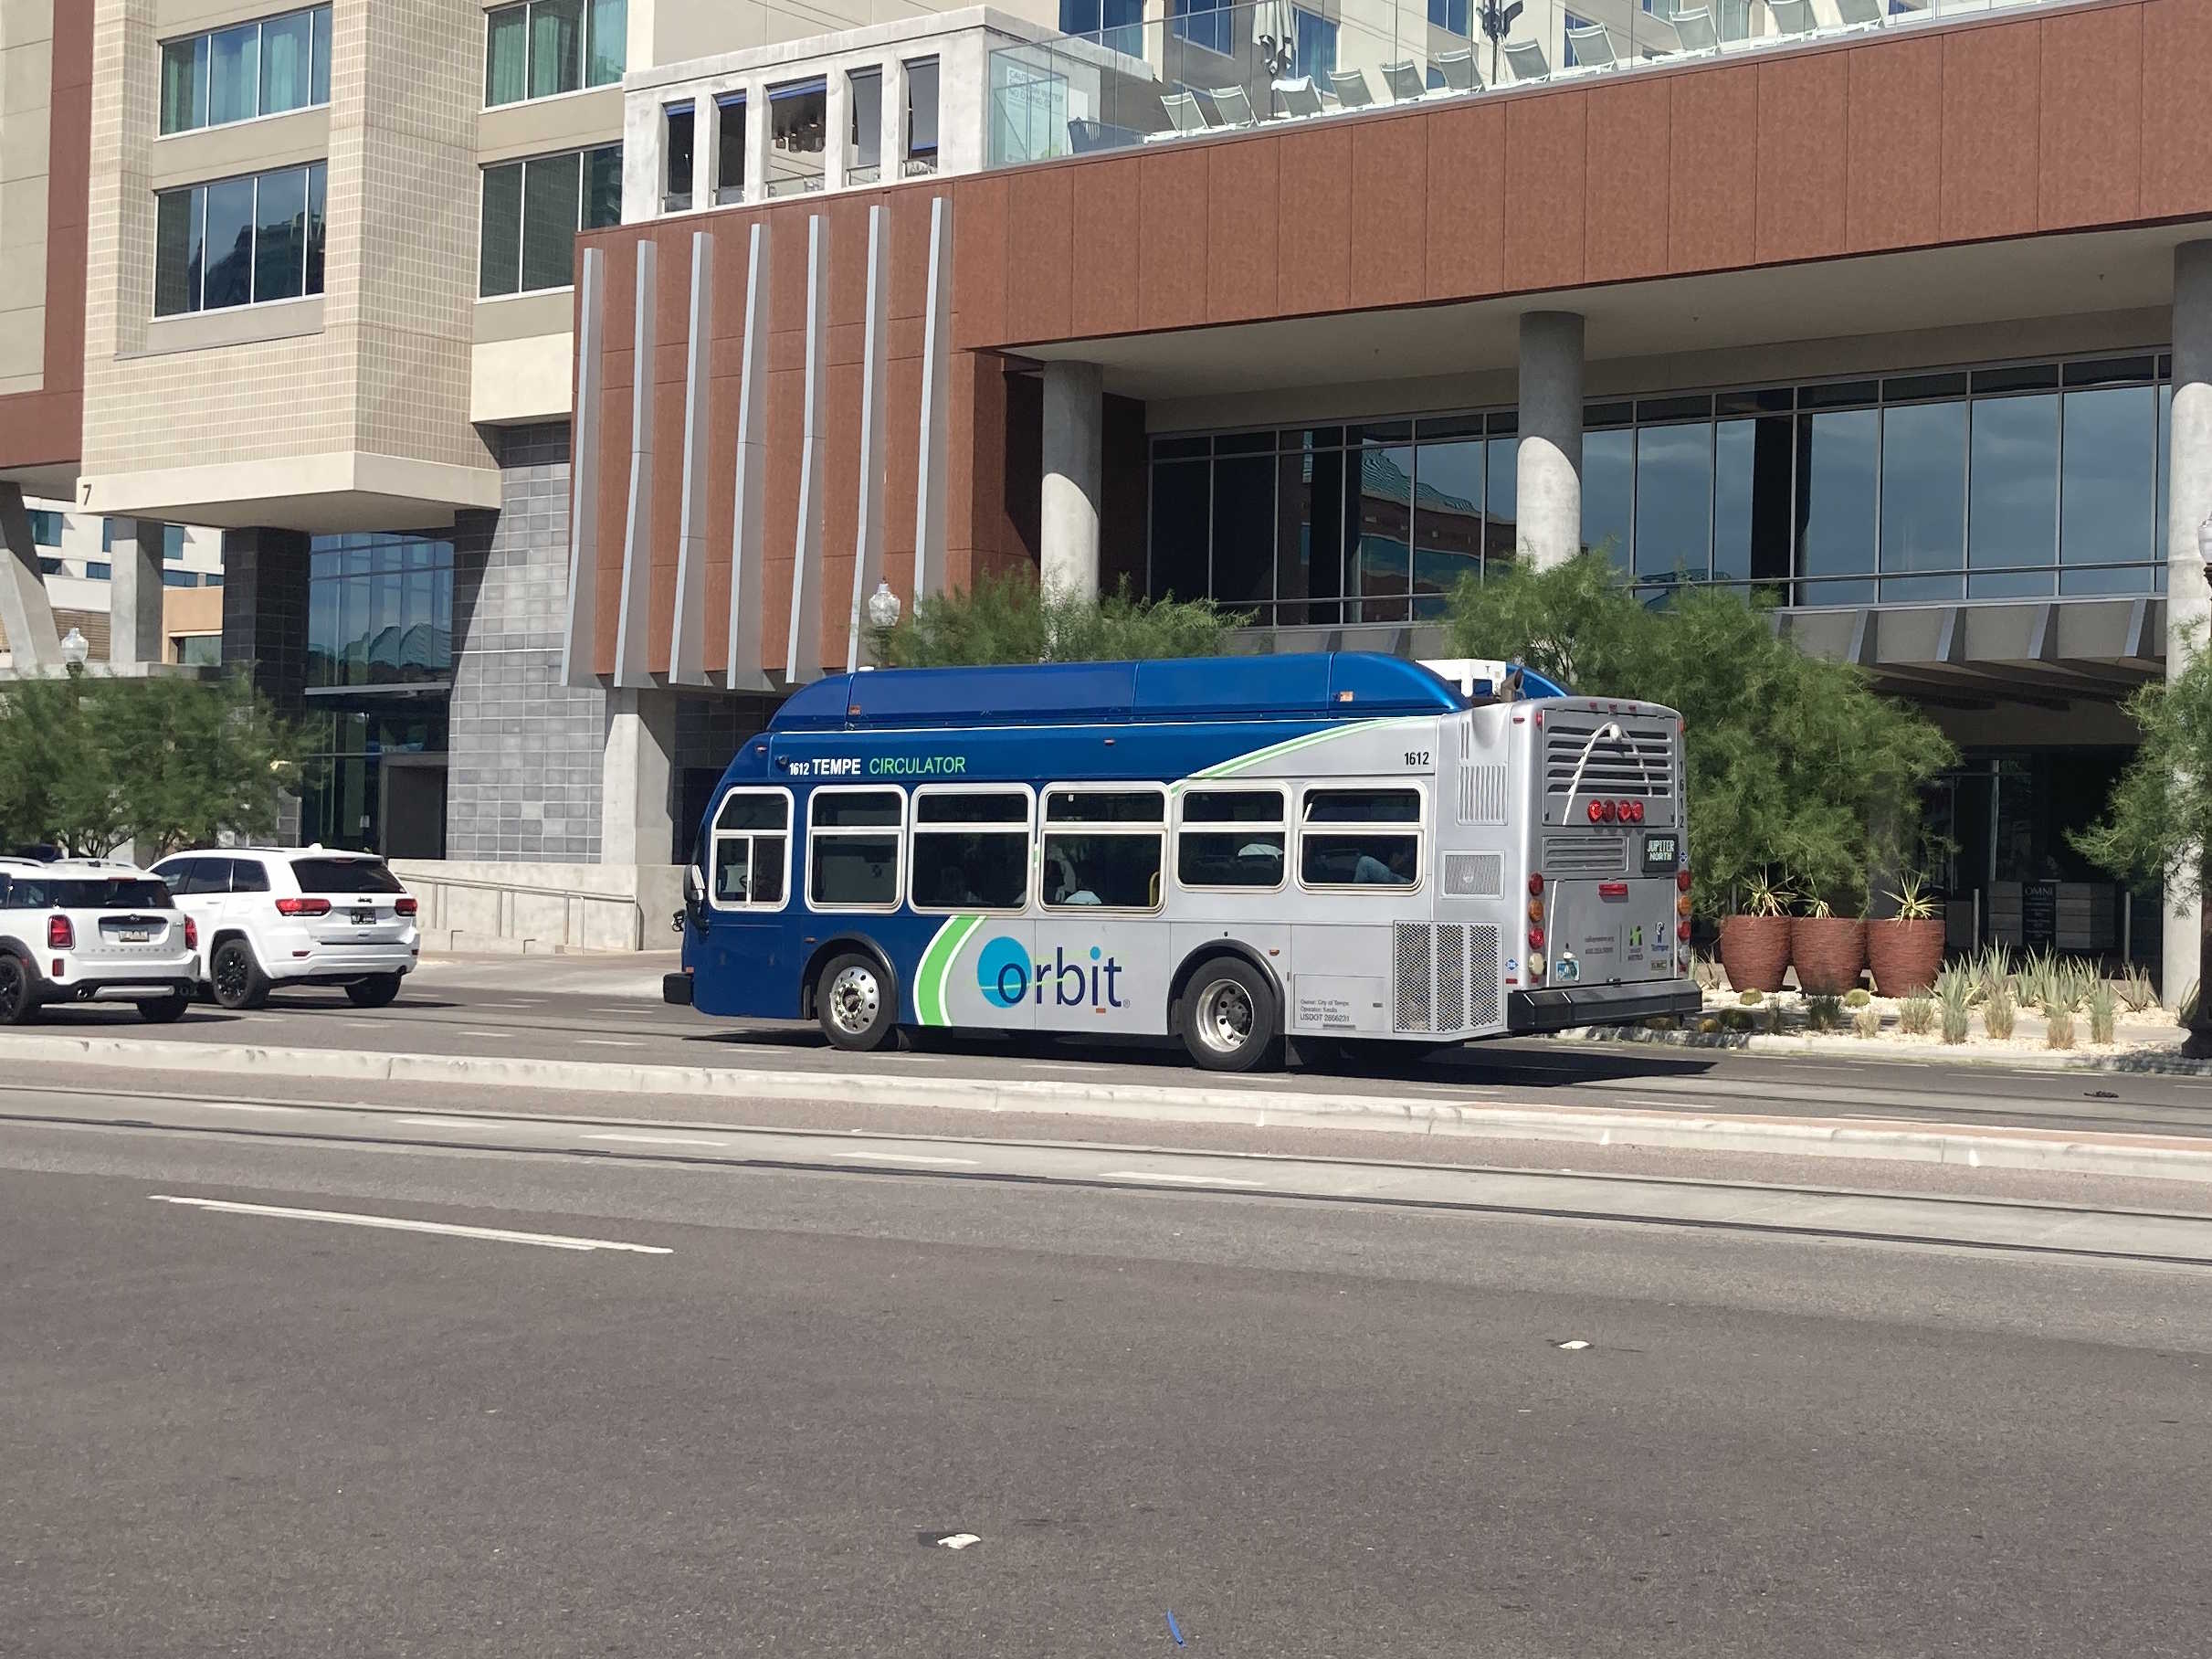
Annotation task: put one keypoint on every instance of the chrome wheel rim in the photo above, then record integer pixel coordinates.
(854, 1001)
(1225, 1017)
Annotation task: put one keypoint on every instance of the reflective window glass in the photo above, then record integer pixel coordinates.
(229, 243)
(2108, 491)
(1924, 502)
(505, 55)
(1097, 870)
(178, 239)
(2012, 523)
(679, 127)
(557, 46)
(730, 148)
(1500, 526)
(1244, 530)
(1180, 518)
(602, 188)
(320, 91)
(287, 63)
(608, 43)
(550, 186)
(316, 178)
(1381, 580)
(1674, 502)
(280, 236)
(921, 113)
(1609, 492)
(1446, 520)
(1837, 459)
(234, 73)
(184, 84)
(500, 245)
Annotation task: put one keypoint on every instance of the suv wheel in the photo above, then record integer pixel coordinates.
(1229, 1019)
(854, 1002)
(165, 1010)
(18, 991)
(236, 979)
(375, 991)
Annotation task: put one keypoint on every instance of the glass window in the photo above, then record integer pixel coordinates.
(1231, 838)
(500, 248)
(184, 84)
(173, 541)
(179, 237)
(1837, 460)
(280, 236)
(1369, 837)
(1244, 530)
(1609, 492)
(336, 876)
(1751, 499)
(864, 138)
(751, 843)
(319, 92)
(1105, 806)
(679, 127)
(1501, 513)
(287, 63)
(380, 611)
(1029, 118)
(852, 849)
(1449, 15)
(1316, 47)
(602, 188)
(1179, 493)
(1115, 865)
(1202, 23)
(2108, 488)
(799, 119)
(970, 850)
(1381, 581)
(1447, 519)
(730, 148)
(2013, 496)
(921, 115)
(1923, 501)
(45, 527)
(230, 243)
(234, 74)
(550, 185)
(505, 55)
(97, 572)
(1674, 502)
(200, 651)
(557, 46)
(251, 875)
(608, 43)
(317, 181)
(180, 578)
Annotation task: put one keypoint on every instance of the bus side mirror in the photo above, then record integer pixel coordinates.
(694, 899)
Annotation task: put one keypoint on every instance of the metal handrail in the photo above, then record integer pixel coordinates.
(507, 892)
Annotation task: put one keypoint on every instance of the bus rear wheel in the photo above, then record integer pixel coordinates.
(854, 1003)
(1229, 1019)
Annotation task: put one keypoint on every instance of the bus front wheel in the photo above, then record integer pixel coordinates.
(854, 1003)
(1230, 1022)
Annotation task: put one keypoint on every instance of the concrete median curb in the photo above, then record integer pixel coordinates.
(2148, 1060)
(2167, 1158)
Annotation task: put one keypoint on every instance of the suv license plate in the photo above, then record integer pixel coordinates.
(361, 918)
(133, 936)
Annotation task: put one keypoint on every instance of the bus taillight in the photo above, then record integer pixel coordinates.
(1682, 878)
(1536, 885)
(1535, 938)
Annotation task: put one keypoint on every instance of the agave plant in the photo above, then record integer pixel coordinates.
(1866, 1022)
(1955, 988)
(2057, 1026)
(1993, 968)
(1913, 901)
(2137, 990)
(1765, 897)
(2103, 1004)
(1999, 1009)
(1916, 1015)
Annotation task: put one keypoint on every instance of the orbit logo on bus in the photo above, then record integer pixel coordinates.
(1007, 978)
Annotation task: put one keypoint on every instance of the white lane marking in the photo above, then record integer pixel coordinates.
(1189, 1180)
(240, 1105)
(661, 1140)
(261, 1019)
(507, 1005)
(608, 1042)
(444, 1123)
(549, 1241)
(371, 1024)
(467, 1032)
(907, 1158)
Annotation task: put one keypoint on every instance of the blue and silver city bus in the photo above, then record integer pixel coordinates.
(1326, 848)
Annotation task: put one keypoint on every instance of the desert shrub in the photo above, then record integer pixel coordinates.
(2058, 1021)
(1916, 1015)
(1866, 1022)
(1999, 1009)
(1858, 997)
(1824, 1013)
(1751, 999)
(2103, 1004)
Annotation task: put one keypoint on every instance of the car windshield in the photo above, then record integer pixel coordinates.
(345, 875)
(87, 893)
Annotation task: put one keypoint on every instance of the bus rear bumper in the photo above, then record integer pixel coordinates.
(1561, 1008)
(677, 989)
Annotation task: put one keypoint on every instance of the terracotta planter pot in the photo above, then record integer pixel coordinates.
(1830, 953)
(1755, 951)
(1905, 956)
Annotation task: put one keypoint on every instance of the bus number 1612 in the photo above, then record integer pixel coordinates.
(1417, 758)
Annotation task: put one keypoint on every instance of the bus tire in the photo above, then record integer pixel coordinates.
(855, 1003)
(1230, 1016)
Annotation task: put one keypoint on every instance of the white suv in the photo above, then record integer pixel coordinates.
(292, 916)
(85, 930)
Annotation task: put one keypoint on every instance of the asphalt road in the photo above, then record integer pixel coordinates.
(1305, 1427)
(525, 1011)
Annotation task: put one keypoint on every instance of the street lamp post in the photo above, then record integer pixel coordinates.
(75, 649)
(883, 607)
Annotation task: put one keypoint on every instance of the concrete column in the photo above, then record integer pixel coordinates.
(25, 616)
(636, 821)
(1549, 462)
(134, 595)
(1075, 466)
(2189, 504)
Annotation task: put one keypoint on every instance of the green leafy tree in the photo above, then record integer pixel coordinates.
(92, 765)
(1007, 618)
(2158, 824)
(1794, 763)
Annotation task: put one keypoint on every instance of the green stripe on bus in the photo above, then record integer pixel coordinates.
(936, 963)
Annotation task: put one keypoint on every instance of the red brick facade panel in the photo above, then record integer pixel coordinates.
(1625, 198)
(2088, 147)
(1804, 156)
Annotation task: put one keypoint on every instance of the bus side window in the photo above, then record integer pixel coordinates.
(1360, 838)
(971, 848)
(1103, 848)
(752, 844)
(1231, 838)
(852, 849)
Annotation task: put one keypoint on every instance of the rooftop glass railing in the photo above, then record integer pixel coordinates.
(1203, 70)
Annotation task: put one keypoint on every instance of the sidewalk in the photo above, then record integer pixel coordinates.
(620, 974)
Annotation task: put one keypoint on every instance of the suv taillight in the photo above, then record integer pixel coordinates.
(303, 907)
(60, 935)
(403, 906)
(191, 934)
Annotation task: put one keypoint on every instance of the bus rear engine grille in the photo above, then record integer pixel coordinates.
(1640, 763)
(1446, 976)
(1585, 853)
